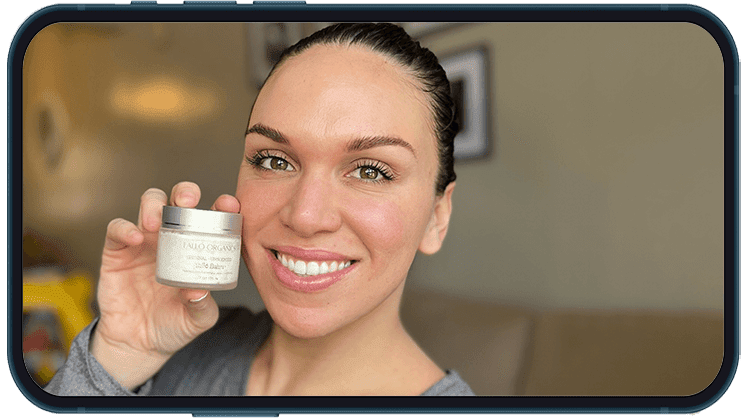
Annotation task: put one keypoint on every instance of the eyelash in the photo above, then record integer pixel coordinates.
(387, 175)
(383, 170)
(260, 157)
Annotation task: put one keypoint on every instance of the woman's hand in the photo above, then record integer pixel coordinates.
(143, 323)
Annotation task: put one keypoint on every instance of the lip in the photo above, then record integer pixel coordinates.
(307, 284)
(311, 255)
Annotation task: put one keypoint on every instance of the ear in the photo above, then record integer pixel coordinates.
(438, 226)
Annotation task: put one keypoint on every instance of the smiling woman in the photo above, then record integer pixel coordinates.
(347, 174)
(335, 194)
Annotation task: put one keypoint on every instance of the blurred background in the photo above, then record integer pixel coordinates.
(585, 253)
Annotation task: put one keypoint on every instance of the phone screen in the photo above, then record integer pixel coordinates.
(587, 254)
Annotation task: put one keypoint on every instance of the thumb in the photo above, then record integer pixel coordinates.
(201, 308)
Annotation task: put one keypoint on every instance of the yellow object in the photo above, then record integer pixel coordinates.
(68, 296)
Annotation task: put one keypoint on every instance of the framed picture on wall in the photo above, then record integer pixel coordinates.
(467, 71)
(267, 40)
(421, 29)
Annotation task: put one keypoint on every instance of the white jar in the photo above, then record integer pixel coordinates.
(199, 249)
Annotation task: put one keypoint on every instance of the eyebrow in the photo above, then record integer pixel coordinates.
(267, 132)
(358, 144)
(368, 142)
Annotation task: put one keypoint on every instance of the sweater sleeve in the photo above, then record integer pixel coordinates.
(450, 385)
(82, 375)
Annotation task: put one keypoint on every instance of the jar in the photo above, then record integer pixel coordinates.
(199, 249)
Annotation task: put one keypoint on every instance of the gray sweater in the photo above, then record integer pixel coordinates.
(217, 363)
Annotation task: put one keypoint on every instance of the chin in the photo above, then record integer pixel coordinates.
(305, 323)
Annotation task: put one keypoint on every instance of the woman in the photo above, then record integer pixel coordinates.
(348, 162)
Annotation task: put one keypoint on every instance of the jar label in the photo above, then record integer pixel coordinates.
(197, 258)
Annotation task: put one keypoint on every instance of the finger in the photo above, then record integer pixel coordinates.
(150, 210)
(201, 308)
(226, 203)
(205, 295)
(185, 194)
(121, 234)
(193, 295)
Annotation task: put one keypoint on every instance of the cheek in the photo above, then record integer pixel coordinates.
(381, 224)
(260, 201)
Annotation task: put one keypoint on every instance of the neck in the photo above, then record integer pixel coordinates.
(365, 357)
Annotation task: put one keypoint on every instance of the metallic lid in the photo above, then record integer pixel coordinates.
(198, 220)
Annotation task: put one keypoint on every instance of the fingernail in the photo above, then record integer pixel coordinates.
(186, 198)
(199, 299)
(147, 223)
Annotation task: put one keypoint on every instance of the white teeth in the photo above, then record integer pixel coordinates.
(300, 267)
(311, 268)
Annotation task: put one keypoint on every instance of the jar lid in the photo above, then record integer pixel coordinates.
(210, 221)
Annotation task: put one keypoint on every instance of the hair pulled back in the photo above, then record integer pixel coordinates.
(392, 41)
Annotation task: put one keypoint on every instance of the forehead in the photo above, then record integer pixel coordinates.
(343, 90)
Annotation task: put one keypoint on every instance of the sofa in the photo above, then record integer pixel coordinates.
(510, 350)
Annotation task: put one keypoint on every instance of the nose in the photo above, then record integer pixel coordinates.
(312, 207)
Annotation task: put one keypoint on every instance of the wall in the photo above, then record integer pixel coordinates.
(604, 188)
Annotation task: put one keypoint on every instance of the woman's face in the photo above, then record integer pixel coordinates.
(338, 184)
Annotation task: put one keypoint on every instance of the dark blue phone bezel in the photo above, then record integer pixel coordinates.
(295, 12)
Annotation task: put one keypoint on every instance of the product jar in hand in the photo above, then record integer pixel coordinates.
(199, 249)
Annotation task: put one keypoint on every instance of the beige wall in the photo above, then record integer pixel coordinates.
(604, 188)
(83, 75)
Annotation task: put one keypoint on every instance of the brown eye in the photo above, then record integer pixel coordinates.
(263, 160)
(278, 164)
(275, 164)
(368, 173)
(372, 172)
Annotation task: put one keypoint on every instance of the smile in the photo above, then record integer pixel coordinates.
(313, 272)
(310, 268)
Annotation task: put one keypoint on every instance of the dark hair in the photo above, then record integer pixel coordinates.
(392, 41)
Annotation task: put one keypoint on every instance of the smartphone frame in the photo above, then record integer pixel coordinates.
(151, 12)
